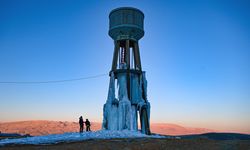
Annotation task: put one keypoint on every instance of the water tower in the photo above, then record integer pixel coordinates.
(121, 110)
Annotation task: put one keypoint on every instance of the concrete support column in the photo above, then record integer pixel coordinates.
(137, 56)
(115, 55)
(128, 68)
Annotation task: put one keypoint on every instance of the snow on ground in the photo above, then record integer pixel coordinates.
(74, 136)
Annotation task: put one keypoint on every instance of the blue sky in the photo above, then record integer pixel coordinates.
(196, 55)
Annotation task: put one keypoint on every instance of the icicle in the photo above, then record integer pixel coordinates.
(144, 84)
(124, 107)
(111, 92)
(110, 116)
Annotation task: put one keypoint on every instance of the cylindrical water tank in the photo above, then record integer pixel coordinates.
(126, 23)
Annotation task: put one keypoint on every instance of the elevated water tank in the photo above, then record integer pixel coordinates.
(126, 23)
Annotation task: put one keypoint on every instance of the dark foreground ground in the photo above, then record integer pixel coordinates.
(141, 144)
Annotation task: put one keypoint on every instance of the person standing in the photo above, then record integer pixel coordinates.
(87, 123)
(81, 124)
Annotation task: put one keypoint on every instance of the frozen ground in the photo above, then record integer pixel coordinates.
(73, 136)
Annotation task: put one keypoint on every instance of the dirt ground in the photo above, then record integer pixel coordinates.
(141, 144)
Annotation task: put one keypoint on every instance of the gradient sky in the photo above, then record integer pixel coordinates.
(196, 54)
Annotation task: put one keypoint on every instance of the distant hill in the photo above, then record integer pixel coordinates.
(40, 127)
(219, 136)
(43, 127)
(174, 129)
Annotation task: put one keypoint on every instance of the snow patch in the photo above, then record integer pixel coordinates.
(69, 137)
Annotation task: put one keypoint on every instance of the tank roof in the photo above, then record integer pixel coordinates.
(126, 8)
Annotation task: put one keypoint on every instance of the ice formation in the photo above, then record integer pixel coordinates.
(110, 109)
(69, 137)
(121, 113)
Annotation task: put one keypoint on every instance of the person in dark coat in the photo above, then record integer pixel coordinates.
(81, 124)
(87, 123)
